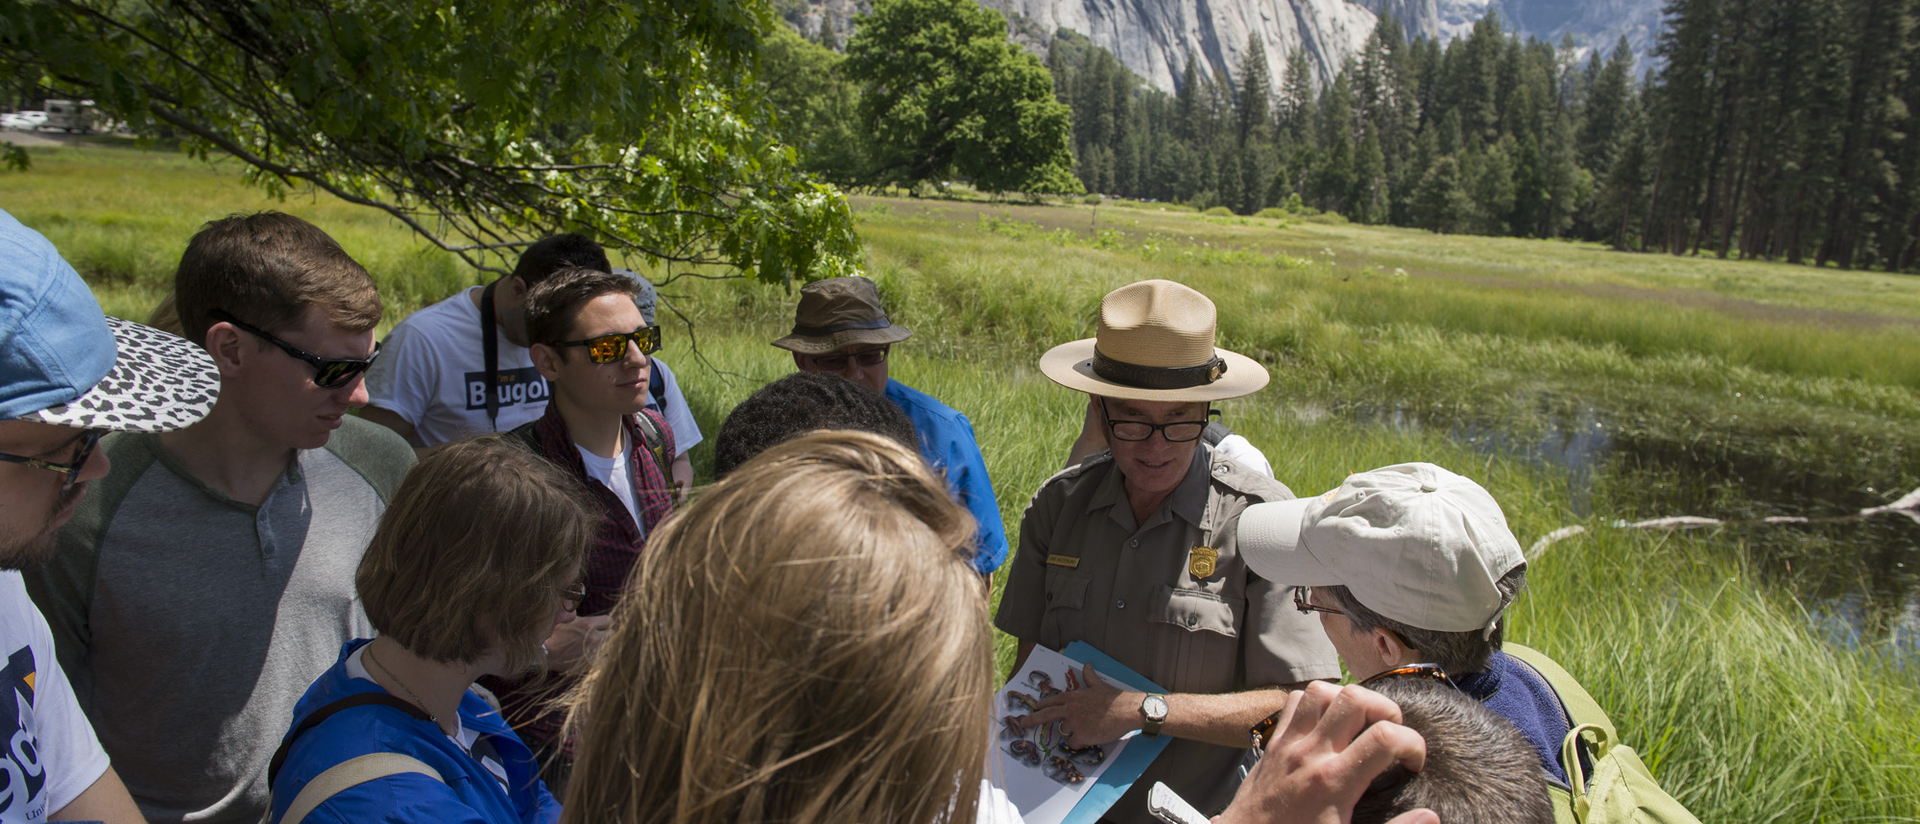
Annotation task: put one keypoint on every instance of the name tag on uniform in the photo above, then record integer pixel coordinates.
(1201, 561)
(1067, 561)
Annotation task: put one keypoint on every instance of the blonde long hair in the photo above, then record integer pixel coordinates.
(807, 642)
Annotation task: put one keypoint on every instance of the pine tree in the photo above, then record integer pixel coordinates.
(1255, 108)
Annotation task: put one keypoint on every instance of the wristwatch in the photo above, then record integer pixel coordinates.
(1153, 708)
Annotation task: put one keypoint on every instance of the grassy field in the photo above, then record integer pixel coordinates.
(1718, 679)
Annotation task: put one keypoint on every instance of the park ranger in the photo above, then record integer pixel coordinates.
(1134, 552)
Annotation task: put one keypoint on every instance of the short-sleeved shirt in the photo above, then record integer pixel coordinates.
(947, 442)
(1084, 571)
(53, 756)
(686, 433)
(190, 623)
(432, 373)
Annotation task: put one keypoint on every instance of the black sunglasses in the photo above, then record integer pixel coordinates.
(835, 363)
(87, 441)
(1175, 432)
(611, 348)
(328, 373)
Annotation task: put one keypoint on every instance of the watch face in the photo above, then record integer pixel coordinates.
(1155, 708)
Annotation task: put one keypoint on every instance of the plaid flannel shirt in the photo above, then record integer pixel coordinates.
(610, 559)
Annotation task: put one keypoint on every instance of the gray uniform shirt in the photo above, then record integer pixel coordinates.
(1085, 571)
(190, 623)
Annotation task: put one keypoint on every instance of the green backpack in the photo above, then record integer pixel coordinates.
(1621, 788)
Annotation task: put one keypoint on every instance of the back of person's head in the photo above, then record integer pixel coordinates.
(1461, 653)
(553, 302)
(266, 269)
(800, 403)
(804, 643)
(469, 555)
(1479, 769)
(552, 253)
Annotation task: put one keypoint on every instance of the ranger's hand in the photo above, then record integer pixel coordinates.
(1097, 713)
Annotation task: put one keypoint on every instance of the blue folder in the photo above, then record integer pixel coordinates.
(1132, 761)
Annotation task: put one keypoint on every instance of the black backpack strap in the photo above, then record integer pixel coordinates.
(656, 444)
(1215, 433)
(657, 387)
(490, 348)
(313, 719)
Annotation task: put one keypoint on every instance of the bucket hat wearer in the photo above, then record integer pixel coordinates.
(1154, 343)
(64, 362)
(1413, 542)
(837, 313)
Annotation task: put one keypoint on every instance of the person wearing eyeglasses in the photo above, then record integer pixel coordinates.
(478, 559)
(461, 366)
(841, 328)
(1410, 569)
(592, 346)
(202, 586)
(67, 374)
(1133, 552)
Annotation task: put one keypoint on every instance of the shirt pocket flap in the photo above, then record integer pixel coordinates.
(1067, 589)
(1194, 611)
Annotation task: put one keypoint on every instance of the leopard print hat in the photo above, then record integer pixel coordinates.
(158, 383)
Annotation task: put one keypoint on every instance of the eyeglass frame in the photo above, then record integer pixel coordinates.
(647, 347)
(1257, 734)
(865, 358)
(574, 593)
(355, 366)
(1307, 607)
(1113, 427)
(87, 440)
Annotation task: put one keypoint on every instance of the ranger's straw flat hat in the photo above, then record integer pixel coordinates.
(1154, 343)
(837, 313)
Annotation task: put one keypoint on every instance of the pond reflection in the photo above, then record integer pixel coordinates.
(1858, 578)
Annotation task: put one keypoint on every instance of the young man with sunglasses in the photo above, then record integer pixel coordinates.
(840, 328)
(1133, 552)
(1410, 569)
(67, 374)
(200, 588)
(591, 345)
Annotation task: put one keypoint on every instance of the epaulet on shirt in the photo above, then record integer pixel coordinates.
(1236, 476)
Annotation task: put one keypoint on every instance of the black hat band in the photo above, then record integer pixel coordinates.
(1158, 377)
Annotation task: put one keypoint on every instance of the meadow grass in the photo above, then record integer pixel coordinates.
(1722, 682)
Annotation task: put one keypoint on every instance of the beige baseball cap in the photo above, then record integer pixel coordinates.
(1413, 542)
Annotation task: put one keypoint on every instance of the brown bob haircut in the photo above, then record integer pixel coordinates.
(470, 555)
(553, 301)
(804, 644)
(266, 269)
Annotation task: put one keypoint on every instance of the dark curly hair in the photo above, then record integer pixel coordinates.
(800, 403)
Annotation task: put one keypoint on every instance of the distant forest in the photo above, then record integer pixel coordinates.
(1774, 129)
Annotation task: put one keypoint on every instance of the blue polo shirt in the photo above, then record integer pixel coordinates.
(946, 441)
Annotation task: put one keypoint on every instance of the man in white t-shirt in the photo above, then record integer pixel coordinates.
(435, 382)
(593, 347)
(67, 373)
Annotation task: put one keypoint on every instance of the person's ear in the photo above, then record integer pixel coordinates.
(223, 343)
(546, 359)
(799, 361)
(517, 288)
(1392, 651)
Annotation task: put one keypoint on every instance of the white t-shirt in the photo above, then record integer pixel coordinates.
(686, 433)
(615, 473)
(1244, 453)
(54, 756)
(431, 372)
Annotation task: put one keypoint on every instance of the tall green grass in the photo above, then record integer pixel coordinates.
(1743, 709)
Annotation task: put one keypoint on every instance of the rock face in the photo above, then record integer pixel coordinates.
(1154, 37)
